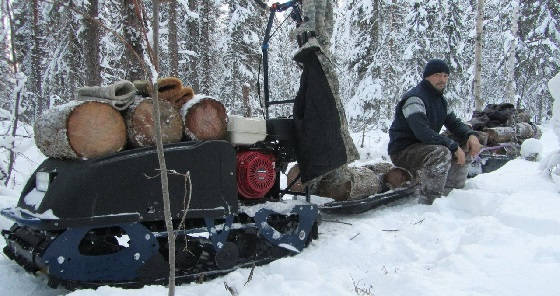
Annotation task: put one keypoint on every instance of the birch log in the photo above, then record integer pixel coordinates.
(205, 119)
(140, 123)
(349, 183)
(505, 134)
(482, 138)
(80, 130)
(499, 134)
(293, 173)
(391, 177)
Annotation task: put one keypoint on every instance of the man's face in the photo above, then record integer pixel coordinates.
(438, 80)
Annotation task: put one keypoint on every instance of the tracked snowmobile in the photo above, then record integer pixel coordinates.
(86, 223)
(100, 221)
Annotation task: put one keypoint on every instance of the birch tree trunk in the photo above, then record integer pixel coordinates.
(15, 109)
(132, 35)
(479, 103)
(510, 87)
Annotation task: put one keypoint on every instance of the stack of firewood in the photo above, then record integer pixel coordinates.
(105, 120)
(503, 123)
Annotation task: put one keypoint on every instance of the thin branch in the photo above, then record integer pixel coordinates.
(186, 202)
(336, 221)
(231, 290)
(250, 277)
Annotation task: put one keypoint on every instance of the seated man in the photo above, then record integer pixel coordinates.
(415, 142)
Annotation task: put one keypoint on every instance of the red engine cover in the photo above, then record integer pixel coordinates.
(255, 173)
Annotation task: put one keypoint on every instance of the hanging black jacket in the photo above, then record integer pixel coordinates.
(426, 113)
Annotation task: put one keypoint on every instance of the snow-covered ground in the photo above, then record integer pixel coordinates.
(498, 236)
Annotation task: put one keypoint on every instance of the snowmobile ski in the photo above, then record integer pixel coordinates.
(358, 206)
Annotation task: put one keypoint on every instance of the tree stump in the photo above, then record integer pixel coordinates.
(80, 130)
(141, 127)
(205, 119)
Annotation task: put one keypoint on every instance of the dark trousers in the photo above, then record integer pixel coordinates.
(433, 167)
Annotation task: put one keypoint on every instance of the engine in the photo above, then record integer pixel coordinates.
(255, 173)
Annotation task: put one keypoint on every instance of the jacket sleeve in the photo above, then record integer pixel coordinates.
(414, 112)
(457, 127)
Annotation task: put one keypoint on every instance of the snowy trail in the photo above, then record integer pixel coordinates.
(498, 236)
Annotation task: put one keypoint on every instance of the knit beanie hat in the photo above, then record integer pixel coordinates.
(435, 66)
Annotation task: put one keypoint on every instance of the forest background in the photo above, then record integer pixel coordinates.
(50, 48)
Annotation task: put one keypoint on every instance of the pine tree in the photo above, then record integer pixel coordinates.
(458, 20)
(131, 30)
(538, 55)
(91, 45)
(63, 72)
(284, 73)
(191, 37)
(172, 43)
(242, 59)
(6, 61)
(206, 51)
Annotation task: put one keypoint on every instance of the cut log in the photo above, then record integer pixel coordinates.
(391, 177)
(499, 134)
(140, 123)
(293, 173)
(482, 137)
(522, 131)
(397, 177)
(354, 182)
(205, 119)
(525, 130)
(380, 168)
(80, 130)
(349, 183)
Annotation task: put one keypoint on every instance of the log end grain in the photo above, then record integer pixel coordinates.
(205, 119)
(141, 127)
(95, 129)
(397, 177)
(293, 173)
